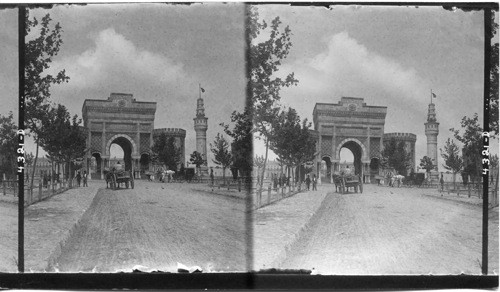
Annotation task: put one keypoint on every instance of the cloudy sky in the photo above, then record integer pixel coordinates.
(390, 56)
(157, 52)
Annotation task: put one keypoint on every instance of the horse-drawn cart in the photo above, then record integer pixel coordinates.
(115, 178)
(344, 182)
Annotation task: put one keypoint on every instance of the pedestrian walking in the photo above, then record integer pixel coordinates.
(441, 181)
(314, 181)
(212, 175)
(85, 179)
(78, 178)
(308, 182)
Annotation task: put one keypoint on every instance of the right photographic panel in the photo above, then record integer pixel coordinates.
(368, 130)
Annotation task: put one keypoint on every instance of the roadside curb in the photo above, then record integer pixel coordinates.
(57, 251)
(280, 248)
(301, 231)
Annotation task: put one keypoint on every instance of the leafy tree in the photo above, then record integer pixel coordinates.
(452, 159)
(39, 51)
(28, 163)
(395, 155)
(259, 161)
(493, 161)
(166, 152)
(62, 137)
(427, 164)
(472, 146)
(292, 141)
(222, 154)
(264, 60)
(197, 159)
(8, 145)
(494, 78)
(242, 145)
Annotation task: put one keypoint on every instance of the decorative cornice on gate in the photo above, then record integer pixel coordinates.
(349, 113)
(116, 104)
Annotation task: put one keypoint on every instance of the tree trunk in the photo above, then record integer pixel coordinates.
(34, 166)
(70, 177)
(264, 166)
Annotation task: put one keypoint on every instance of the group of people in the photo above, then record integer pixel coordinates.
(282, 180)
(314, 182)
(79, 177)
(392, 179)
(47, 177)
(163, 174)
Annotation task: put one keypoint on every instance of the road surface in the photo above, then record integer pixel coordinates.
(157, 225)
(394, 231)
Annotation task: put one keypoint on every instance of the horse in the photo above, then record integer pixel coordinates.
(337, 180)
(397, 178)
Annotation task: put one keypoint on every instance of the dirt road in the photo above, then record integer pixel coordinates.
(157, 225)
(394, 231)
(9, 240)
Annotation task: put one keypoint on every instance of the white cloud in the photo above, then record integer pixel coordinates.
(348, 68)
(118, 64)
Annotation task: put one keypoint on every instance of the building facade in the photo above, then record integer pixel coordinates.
(200, 127)
(409, 139)
(121, 119)
(352, 124)
(432, 132)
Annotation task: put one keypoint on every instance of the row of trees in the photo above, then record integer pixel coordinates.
(50, 125)
(280, 130)
(166, 152)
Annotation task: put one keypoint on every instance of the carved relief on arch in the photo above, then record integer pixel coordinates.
(130, 140)
(363, 148)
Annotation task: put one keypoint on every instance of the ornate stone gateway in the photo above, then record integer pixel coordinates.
(121, 120)
(353, 125)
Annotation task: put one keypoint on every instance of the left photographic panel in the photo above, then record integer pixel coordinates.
(9, 117)
(128, 156)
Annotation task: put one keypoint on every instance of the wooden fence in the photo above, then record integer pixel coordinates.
(39, 191)
(263, 197)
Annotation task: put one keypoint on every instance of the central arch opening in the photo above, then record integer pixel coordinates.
(350, 157)
(325, 172)
(120, 150)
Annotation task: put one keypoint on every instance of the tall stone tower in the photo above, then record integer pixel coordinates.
(432, 131)
(201, 126)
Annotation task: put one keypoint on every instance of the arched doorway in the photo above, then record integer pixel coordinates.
(357, 152)
(95, 167)
(125, 145)
(374, 168)
(144, 162)
(325, 172)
